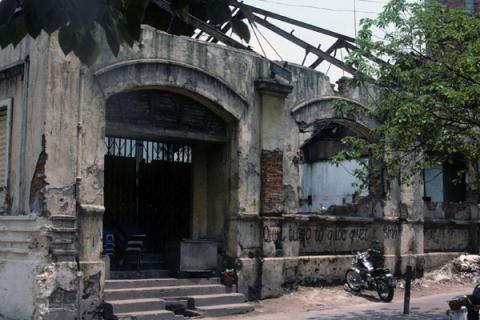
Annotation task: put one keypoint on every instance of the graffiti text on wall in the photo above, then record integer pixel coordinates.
(391, 232)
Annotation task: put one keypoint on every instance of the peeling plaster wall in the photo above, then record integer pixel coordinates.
(23, 228)
(23, 248)
(263, 190)
(59, 150)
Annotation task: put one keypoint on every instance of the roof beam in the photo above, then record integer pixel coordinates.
(308, 47)
(336, 45)
(352, 47)
(199, 24)
(300, 24)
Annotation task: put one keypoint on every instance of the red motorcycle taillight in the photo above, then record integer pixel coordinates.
(455, 304)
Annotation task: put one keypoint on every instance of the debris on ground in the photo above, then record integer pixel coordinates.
(463, 270)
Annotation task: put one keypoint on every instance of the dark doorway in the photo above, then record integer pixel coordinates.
(151, 186)
(148, 187)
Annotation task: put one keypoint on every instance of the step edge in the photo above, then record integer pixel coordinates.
(225, 306)
(132, 301)
(143, 313)
(217, 295)
(164, 288)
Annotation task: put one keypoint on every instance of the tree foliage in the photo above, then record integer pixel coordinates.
(77, 21)
(428, 105)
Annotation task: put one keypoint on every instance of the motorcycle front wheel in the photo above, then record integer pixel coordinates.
(353, 280)
(385, 292)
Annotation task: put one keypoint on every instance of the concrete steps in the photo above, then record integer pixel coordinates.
(136, 305)
(225, 309)
(171, 298)
(147, 315)
(158, 292)
(144, 274)
(217, 299)
(161, 282)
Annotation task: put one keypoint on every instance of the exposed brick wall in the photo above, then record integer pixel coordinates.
(272, 182)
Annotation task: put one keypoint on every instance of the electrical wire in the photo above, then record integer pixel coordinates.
(258, 40)
(269, 43)
(374, 1)
(313, 7)
(341, 58)
(328, 69)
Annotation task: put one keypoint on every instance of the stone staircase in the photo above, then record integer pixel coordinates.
(151, 294)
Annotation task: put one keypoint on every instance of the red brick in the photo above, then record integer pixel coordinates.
(272, 182)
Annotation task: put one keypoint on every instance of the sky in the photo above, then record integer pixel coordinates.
(342, 16)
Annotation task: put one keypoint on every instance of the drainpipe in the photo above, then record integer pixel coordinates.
(78, 181)
(26, 80)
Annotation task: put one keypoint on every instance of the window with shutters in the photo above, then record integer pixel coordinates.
(5, 106)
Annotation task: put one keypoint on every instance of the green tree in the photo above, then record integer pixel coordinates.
(77, 21)
(428, 102)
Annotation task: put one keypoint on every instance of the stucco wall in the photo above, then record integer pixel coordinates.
(256, 215)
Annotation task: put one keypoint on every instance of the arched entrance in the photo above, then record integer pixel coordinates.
(166, 174)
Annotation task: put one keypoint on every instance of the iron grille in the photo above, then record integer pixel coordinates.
(148, 150)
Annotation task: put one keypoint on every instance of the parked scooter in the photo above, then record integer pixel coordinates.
(465, 307)
(363, 275)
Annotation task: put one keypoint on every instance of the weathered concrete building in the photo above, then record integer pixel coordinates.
(200, 141)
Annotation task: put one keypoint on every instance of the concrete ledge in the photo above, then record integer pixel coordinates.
(278, 275)
(273, 87)
(451, 221)
(30, 217)
(92, 210)
(436, 259)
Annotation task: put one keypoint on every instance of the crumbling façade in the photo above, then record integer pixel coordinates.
(244, 158)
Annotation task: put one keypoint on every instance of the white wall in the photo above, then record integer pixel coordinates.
(328, 184)
(434, 183)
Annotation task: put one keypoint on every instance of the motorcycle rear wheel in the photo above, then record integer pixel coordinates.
(385, 292)
(353, 280)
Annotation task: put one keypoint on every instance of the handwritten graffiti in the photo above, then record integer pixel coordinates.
(391, 232)
(320, 234)
(446, 238)
(272, 234)
(439, 234)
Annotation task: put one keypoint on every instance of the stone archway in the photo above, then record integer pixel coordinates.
(213, 92)
(324, 185)
(210, 151)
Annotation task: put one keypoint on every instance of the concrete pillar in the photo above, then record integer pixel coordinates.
(200, 205)
(410, 242)
(272, 135)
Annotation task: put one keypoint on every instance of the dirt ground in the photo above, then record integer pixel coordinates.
(305, 299)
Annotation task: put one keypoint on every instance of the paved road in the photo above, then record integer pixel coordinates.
(425, 308)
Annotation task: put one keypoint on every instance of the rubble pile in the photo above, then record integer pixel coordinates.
(463, 270)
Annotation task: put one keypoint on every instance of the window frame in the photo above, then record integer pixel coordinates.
(445, 198)
(7, 104)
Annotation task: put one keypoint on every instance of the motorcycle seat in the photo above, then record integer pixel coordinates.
(380, 271)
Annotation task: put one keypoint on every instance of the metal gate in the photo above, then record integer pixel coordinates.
(148, 184)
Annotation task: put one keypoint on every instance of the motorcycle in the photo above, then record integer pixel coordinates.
(363, 275)
(465, 307)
